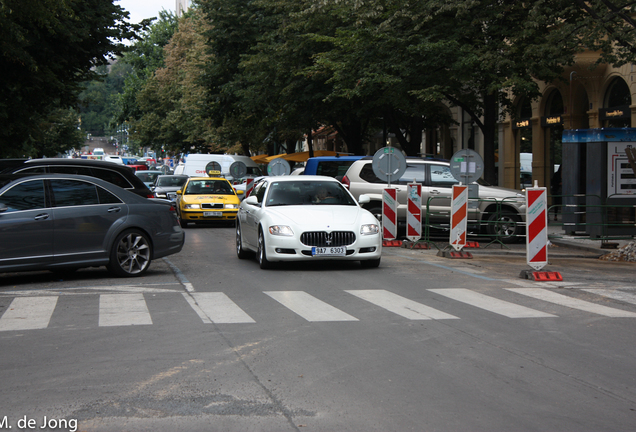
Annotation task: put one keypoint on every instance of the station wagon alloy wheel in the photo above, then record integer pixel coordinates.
(131, 254)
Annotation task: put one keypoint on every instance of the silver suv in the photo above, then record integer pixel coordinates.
(498, 212)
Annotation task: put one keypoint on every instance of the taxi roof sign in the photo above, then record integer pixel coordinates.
(214, 173)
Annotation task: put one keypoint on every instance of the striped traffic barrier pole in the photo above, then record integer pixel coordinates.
(389, 213)
(537, 235)
(249, 186)
(459, 217)
(414, 212)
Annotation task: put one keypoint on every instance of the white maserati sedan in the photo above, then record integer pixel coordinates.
(306, 218)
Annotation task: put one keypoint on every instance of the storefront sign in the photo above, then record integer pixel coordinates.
(621, 112)
(621, 178)
(522, 124)
(551, 121)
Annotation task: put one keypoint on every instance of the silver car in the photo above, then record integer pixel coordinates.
(166, 186)
(64, 222)
(498, 212)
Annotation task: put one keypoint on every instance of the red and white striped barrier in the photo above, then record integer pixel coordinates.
(537, 227)
(389, 213)
(249, 186)
(459, 217)
(414, 212)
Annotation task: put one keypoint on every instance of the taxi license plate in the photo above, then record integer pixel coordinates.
(328, 251)
(212, 214)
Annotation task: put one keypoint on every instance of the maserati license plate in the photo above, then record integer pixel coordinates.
(328, 251)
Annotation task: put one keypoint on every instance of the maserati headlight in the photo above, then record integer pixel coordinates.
(369, 229)
(192, 206)
(231, 206)
(281, 230)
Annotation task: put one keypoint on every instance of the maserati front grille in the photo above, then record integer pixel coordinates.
(327, 239)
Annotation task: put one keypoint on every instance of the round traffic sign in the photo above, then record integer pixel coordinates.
(278, 167)
(389, 164)
(238, 170)
(466, 166)
(213, 166)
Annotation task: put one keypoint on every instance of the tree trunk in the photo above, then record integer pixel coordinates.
(490, 130)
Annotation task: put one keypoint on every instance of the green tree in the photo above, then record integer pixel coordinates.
(173, 114)
(49, 48)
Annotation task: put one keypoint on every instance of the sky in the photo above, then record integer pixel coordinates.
(142, 9)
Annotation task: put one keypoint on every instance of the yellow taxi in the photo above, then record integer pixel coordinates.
(207, 199)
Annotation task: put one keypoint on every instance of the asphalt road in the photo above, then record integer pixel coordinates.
(207, 342)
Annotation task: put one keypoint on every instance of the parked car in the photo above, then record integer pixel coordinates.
(207, 199)
(166, 186)
(116, 174)
(138, 167)
(114, 158)
(300, 218)
(332, 166)
(148, 176)
(65, 222)
(499, 212)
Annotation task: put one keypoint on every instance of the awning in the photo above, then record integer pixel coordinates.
(292, 157)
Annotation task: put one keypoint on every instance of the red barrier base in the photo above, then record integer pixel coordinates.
(391, 243)
(455, 254)
(471, 244)
(417, 245)
(541, 276)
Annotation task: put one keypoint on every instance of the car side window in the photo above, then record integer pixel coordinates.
(68, 193)
(105, 197)
(367, 174)
(260, 193)
(441, 176)
(28, 195)
(413, 172)
(112, 177)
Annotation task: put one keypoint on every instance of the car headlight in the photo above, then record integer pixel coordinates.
(161, 195)
(191, 206)
(231, 206)
(369, 229)
(281, 230)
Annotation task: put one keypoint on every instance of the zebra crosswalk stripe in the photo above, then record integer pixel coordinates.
(28, 313)
(400, 305)
(217, 308)
(571, 302)
(122, 310)
(491, 304)
(309, 307)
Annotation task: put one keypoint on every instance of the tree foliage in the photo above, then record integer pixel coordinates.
(49, 48)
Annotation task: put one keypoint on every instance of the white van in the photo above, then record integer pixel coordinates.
(195, 165)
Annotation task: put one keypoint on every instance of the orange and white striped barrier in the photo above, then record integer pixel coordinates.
(249, 186)
(389, 213)
(459, 217)
(414, 212)
(537, 227)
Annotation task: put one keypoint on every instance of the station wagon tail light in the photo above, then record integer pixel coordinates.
(345, 181)
(150, 195)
